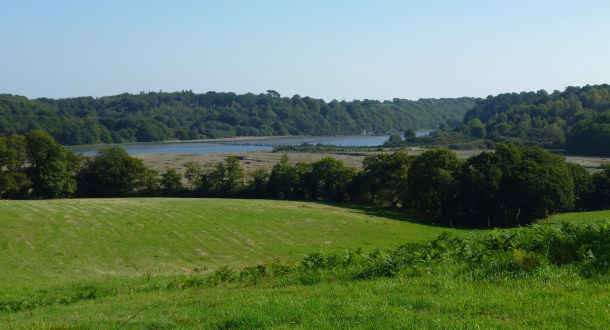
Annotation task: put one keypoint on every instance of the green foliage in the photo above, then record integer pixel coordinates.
(193, 173)
(36, 166)
(528, 260)
(495, 254)
(431, 184)
(577, 118)
(14, 182)
(383, 179)
(171, 182)
(394, 140)
(328, 179)
(590, 136)
(537, 184)
(512, 186)
(113, 173)
(409, 134)
(49, 168)
(225, 179)
(259, 180)
(476, 128)
(583, 186)
(188, 116)
(600, 197)
(283, 180)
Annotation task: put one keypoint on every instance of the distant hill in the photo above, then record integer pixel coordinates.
(187, 116)
(577, 119)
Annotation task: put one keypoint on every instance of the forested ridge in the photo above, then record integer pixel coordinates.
(577, 119)
(158, 116)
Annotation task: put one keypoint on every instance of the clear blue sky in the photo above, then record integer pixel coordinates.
(340, 50)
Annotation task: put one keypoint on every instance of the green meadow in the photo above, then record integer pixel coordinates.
(57, 241)
(140, 263)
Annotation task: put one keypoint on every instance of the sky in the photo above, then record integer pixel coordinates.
(341, 50)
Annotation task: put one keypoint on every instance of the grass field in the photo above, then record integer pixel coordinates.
(54, 241)
(105, 263)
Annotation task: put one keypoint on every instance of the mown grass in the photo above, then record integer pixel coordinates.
(57, 241)
(433, 284)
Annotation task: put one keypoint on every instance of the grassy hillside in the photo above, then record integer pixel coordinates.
(105, 263)
(54, 241)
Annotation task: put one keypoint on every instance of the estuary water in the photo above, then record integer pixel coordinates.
(236, 146)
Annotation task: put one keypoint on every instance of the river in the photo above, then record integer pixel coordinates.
(199, 147)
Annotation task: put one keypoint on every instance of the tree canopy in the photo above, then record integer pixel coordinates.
(577, 119)
(187, 116)
(36, 166)
(113, 173)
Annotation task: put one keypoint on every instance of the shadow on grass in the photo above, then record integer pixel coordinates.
(400, 216)
(382, 212)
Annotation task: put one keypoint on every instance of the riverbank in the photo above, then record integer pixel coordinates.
(89, 147)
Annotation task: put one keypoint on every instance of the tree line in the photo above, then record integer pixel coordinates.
(577, 119)
(159, 116)
(508, 187)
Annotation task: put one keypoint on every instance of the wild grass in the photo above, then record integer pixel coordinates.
(557, 299)
(579, 217)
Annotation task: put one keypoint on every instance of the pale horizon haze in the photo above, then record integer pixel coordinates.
(342, 50)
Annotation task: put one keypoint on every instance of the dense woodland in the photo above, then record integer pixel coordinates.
(511, 186)
(188, 116)
(577, 119)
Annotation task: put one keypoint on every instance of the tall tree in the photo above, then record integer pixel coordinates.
(601, 185)
(538, 184)
(409, 134)
(113, 173)
(329, 180)
(283, 180)
(226, 179)
(49, 168)
(384, 178)
(171, 183)
(431, 183)
(14, 182)
(478, 188)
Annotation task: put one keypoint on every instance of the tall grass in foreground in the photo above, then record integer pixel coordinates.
(584, 248)
(539, 276)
